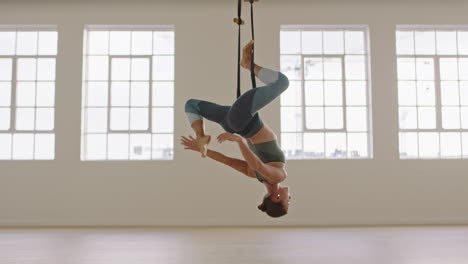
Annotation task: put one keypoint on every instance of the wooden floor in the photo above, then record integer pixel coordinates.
(408, 245)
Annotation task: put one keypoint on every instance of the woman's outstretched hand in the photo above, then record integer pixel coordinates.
(229, 137)
(189, 143)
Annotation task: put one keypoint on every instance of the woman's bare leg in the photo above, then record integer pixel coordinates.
(202, 139)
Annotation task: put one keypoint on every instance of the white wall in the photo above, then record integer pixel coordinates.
(191, 191)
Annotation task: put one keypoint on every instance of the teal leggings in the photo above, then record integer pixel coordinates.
(242, 117)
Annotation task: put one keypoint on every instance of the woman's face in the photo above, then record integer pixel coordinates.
(283, 197)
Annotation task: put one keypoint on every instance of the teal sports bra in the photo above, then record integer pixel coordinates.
(267, 152)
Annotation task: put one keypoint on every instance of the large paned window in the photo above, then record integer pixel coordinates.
(128, 93)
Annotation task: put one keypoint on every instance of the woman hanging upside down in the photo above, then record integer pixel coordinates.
(264, 159)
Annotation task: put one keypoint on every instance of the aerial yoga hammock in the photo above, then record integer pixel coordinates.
(258, 144)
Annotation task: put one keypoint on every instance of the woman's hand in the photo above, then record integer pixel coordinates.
(189, 143)
(229, 137)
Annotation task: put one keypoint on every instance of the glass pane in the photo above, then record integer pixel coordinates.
(450, 145)
(140, 69)
(46, 69)
(314, 93)
(45, 94)
(44, 119)
(25, 94)
(354, 42)
(23, 146)
(333, 117)
(335, 144)
(451, 117)
(463, 68)
(428, 145)
(121, 69)
(25, 118)
(465, 144)
(291, 144)
(357, 145)
(163, 68)
(425, 42)
(95, 147)
(4, 119)
(464, 93)
(448, 69)
(333, 42)
(139, 119)
(407, 93)
(449, 93)
(120, 118)
(97, 94)
(406, 69)
(5, 94)
(356, 93)
(291, 119)
(6, 72)
(163, 147)
(408, 117)
(446, 42)
(292, 96)
(26, 70)
(314, 145)
(5, 150)
(163, 120)
(426, 93)
(140, 146)
(118, 146)
(26, 43)
(120, 42)
(332, 69)
(313, 69)
(356, 119)
(312, 42)
(333, 93)
(97, 68)
(95, 120)
(291, 67)
(355, 67)
(408, 145)
(314, 118)
(120, 94)
(98, 43)
(163, 93)
(45, 147)
(405, 42)
(290, 42)
(142, 42)
(140, 94)
(427, 117)
(48, 43)
(8, 40)
(463, 42)
(425, 68)
(163, 42)
(464, 117)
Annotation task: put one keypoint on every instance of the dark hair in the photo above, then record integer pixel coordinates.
(271, 208)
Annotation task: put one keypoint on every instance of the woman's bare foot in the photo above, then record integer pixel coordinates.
(202, 143)
(247, 55)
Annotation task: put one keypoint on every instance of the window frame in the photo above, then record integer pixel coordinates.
(366, 54)
(151, 107)
(13, 107)
(437, 90)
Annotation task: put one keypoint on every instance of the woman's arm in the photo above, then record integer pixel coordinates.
(239, 165)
